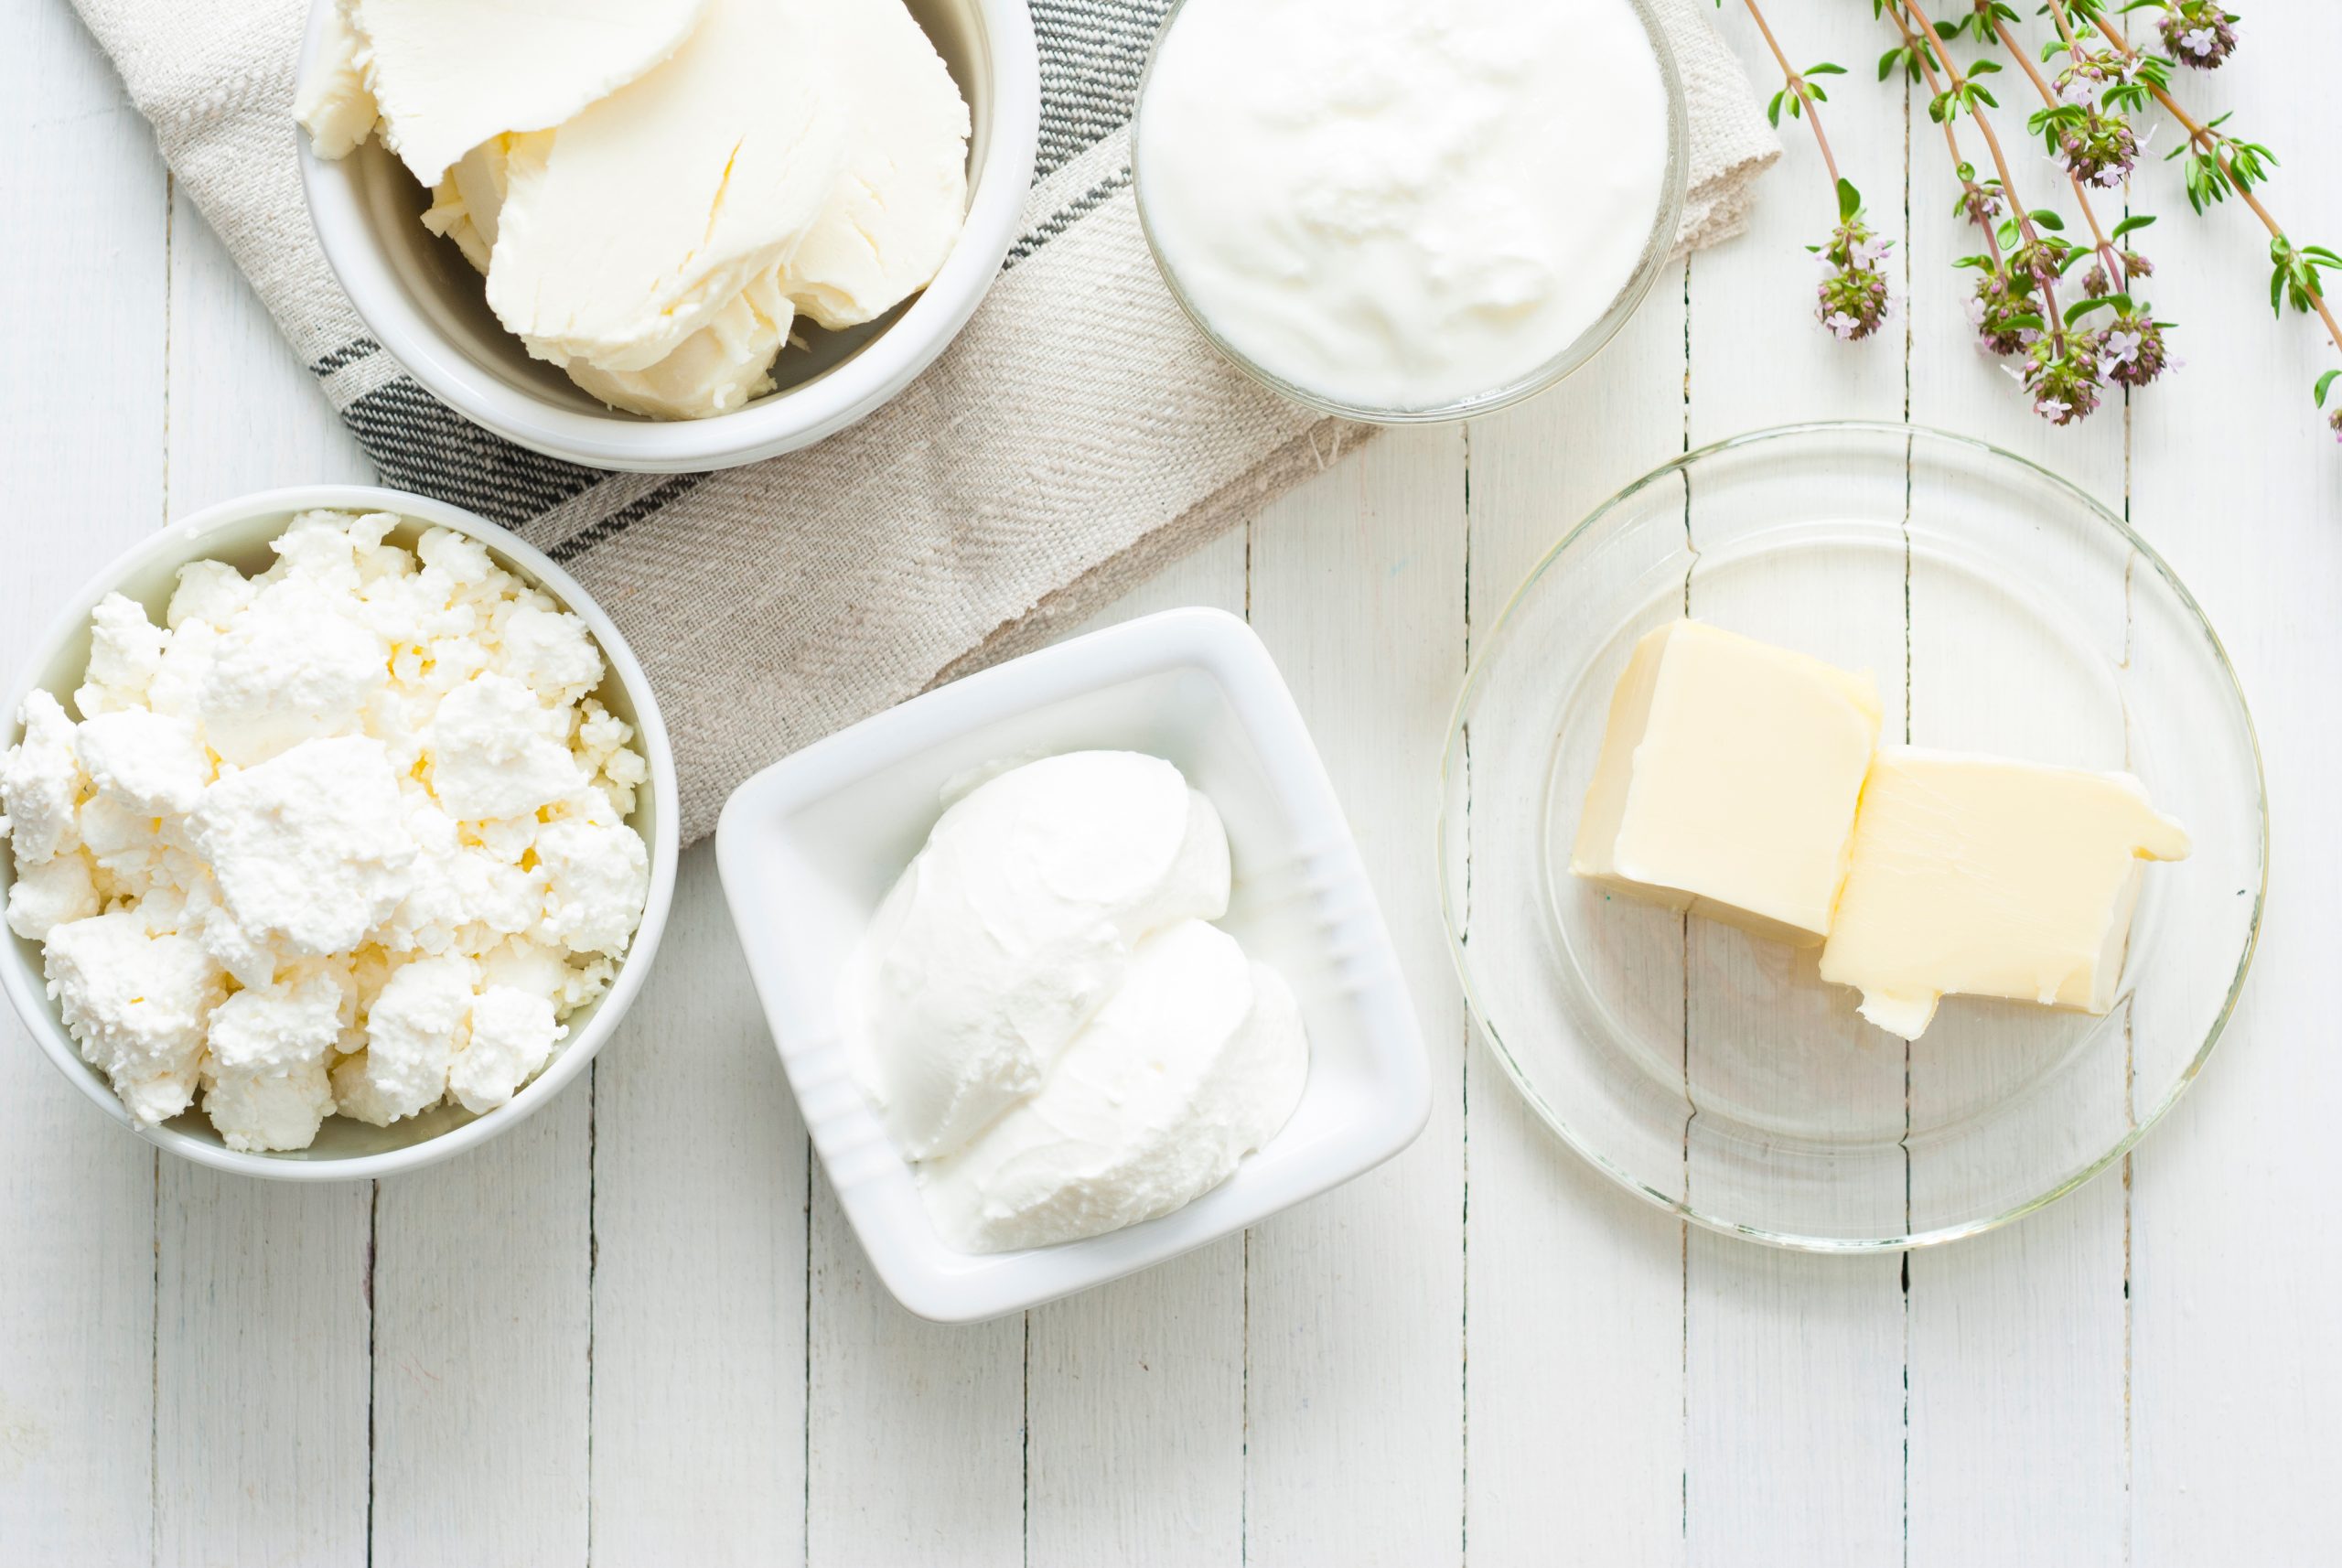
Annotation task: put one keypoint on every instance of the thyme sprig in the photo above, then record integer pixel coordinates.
(2220, 164)
(1852, 299)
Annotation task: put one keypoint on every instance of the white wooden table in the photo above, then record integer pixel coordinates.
(637, 1330)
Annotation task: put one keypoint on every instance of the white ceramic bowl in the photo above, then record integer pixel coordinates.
(809, 847)
(427, 306)
(239, 531)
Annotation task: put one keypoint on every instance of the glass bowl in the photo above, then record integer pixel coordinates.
(1715, 1074)
(1657, 246)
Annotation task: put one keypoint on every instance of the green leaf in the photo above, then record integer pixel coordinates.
(2048, 219)
(1773, 110)
(2325, 382)
(1889, 61)
(2132, 225)
(2075, 312)
(1982, 68)
(1976, 92)
(2027, 322)
(1816, 94)
(1825, 69)
(1850, 200)
(2323, 254)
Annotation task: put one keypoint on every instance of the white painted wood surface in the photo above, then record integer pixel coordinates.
(637, 1331)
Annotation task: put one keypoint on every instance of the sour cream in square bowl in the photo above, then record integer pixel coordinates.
(342, 833)
(1121, 860)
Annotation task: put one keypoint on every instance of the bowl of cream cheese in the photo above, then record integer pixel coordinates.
(1073, 965)
(689, 237)
(339, 834)
(1406, 213)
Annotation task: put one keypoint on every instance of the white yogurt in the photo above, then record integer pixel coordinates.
(1401, 206)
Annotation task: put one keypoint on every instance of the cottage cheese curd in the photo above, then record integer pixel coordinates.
(349, 835)
(1044, 1019)
(655, 194)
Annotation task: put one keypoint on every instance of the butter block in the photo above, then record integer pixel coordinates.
(1728, 778)
(1987, 878)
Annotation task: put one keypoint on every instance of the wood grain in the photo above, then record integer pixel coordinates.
(1354, 1343)
(84, 460)
(2236, 1395)
(1574, 1291)
(1145, 1378)
(699, 1210)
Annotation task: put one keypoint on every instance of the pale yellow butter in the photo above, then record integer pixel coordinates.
(1978, 876)
(1728, 779)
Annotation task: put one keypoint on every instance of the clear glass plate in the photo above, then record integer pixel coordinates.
(2001, 610)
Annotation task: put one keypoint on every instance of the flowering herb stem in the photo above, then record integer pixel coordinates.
(2116, 274)
(1803, 89)
(2211, 143)
(1977, 202)
(2008, 183)
(1851, 300)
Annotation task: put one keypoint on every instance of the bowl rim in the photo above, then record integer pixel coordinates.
(183, 541)
(782, 422)
(1659, 245)
(1229, 652)
(1451, 759)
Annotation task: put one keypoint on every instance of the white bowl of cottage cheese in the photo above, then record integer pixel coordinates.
(339, 834)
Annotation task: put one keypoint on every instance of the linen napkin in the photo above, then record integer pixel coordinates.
(1078, 436)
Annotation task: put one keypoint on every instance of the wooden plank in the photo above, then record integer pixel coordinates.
(1574, 1289)
(1788, 1354)
(2236, 1402)
(915, 1431)
(2022, 1331)
(261, 1359)
(1353, 1345)
(1134, 1393)
(482, 1380)
(699, 1263)
(82, 427)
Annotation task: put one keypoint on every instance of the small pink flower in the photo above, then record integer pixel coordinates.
(1842, 324)
(2122, 347)
(2050, 408)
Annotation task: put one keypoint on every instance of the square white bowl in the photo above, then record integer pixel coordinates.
(809, 847)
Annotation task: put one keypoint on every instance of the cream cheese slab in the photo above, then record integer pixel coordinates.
(720, 161)
(1727, 782)
(447, 75)
(1987, 878)
(899, 203)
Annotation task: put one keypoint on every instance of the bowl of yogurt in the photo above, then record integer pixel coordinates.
(339, 834)
(671, 236)
(1406, 213)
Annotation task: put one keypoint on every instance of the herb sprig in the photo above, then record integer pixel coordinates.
(1851, 300)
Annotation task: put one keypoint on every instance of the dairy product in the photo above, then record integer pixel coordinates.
(1197, 1059)
(723, 157)
(658, 235)
(347, 836)
(1727, 781)
(1014, 924)
(445, 75)
(1045, 1021)
(1370, 198)
(895, 209)
(1990, 878)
